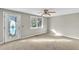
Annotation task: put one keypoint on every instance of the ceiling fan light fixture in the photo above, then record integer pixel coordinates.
(48, 13)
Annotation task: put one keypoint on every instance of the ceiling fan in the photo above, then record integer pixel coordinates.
(47, 12)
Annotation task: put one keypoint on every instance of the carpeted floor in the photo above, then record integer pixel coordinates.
(42, 42)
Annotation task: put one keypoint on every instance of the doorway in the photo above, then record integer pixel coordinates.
(12, 26)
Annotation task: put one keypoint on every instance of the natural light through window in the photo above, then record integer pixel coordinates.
(36, 22)
(56, 33)
(12, 25)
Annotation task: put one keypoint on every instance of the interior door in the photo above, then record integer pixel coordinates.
(12, 24)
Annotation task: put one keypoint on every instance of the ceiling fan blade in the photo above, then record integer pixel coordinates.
(52, 12)
(49, 14)
(42, 14)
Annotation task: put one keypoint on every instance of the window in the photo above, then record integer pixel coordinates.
(12, 25)
(39, 23)
(36, 22)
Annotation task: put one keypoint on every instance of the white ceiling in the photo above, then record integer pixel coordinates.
(36, 11)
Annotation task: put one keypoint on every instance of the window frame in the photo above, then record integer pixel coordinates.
(36, 18)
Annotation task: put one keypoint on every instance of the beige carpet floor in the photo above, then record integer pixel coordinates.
(42, 42)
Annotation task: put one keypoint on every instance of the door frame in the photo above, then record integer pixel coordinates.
(19, 26)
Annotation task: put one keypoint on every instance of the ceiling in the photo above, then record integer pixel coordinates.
(36, 11)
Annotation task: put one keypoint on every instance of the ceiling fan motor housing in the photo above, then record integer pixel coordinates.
(46, 11)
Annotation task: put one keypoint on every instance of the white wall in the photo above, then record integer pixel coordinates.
(26, 28)
(26, 31)
(67, 25)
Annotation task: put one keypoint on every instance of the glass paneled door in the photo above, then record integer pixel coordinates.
(12, 24)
